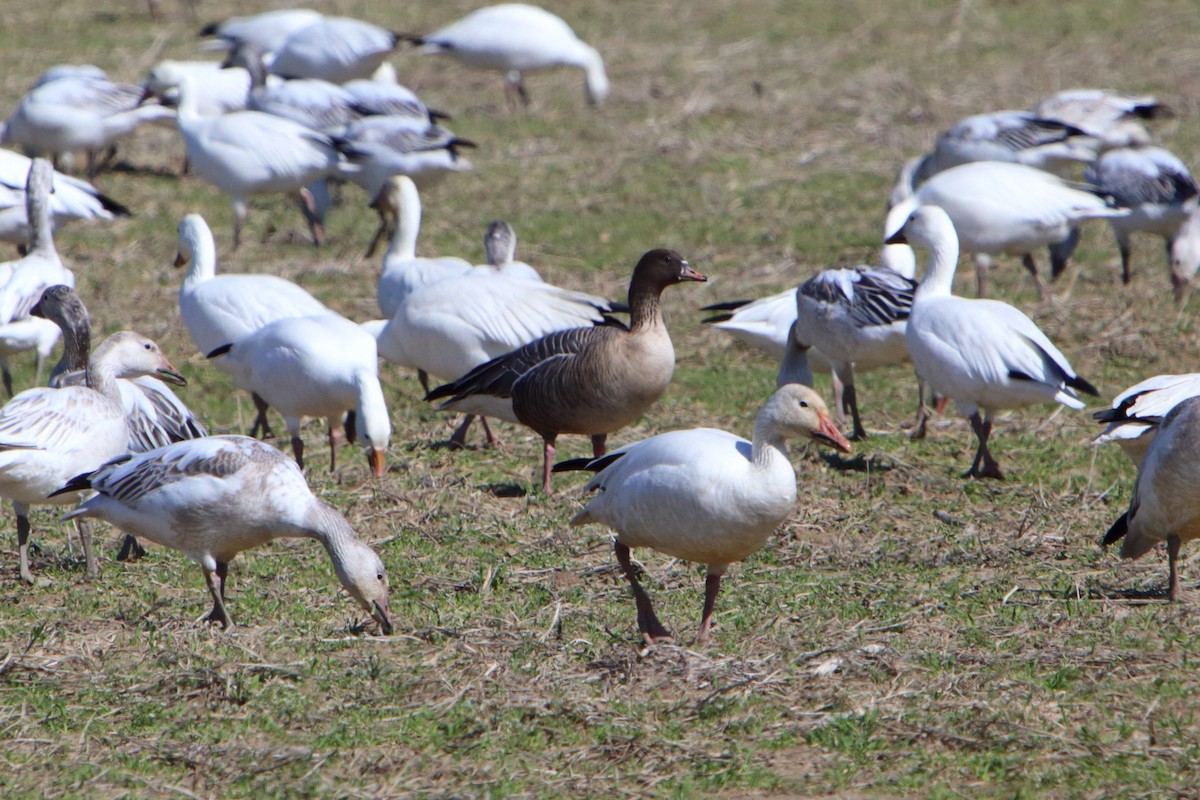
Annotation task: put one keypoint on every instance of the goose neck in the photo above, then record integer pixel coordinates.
(408, 227)
(943, 260)
(767, 442)
(37, 209)
(101, 374)
(77, 343)
(204, 258)
(645, 307)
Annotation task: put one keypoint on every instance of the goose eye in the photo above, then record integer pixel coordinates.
(148, 346)
(379, 577)
(804, 404)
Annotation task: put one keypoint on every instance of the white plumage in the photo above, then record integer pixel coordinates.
(70, 199)
(1138, 411)
(23, 281)
(334, 49)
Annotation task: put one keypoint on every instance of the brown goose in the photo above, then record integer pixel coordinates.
(589, 381)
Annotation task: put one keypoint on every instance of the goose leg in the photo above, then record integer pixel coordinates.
(131, 549)
(919, 423)
(598, 445)
(1173, 543)
(335, 439)
(260, 420)
(84, 527)
(1031, 265)
(239, 219)
(298, 450)
(316, 225)
(647, 620)
(216, 587)
(423, 377)
(839, 398)
(1061, 252)
(850, 399)
(22, 512)
(984, 466)
(458, 439)
(6, 376)
(492, 441)
(712, 585)
(351, 426)
(547, 462)
(983, 263)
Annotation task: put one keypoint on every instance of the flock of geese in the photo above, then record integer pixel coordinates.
(302, 99)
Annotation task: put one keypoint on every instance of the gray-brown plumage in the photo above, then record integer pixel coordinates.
(588, 381)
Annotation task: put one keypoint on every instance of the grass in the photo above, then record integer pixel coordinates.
(905, 633)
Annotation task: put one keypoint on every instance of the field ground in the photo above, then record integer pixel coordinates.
(907, 633)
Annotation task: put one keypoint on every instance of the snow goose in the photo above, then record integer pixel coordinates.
(1161, 193)
(70, 199)
(1115, 119)
(248, 152)
(267, 31)
(514, 38)
(319, 366)
(856, 317)
(998, 207)
(21, 336)
(383, 146)
(703, 494)
(213, 498)
(403, 272)
(218, 309)
(217, 89)
(314, 103)
(1165, 501)
(78, 113)
(500, 249)
(1016, 136)
(23, 281)
(1138, 411)
(334, 49)
(49, 435)
(983, 354)
(589, 381)
(374, 98)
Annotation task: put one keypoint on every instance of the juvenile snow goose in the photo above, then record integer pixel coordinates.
(23, 281)
(213, 498)
(702, 494)
(219, 309)
(514, 38)
(1161, 193)
(998, 207)
(49, 435)
(589, 381)
(1166, 503)
(319, 366)
(1138, 411)
(983, 354)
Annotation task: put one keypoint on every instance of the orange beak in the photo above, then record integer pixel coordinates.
(375, 459)
(380, 613)
(828, 433)
(179, 260)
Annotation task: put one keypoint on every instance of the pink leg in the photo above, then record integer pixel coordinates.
(648, 622)
(712, 585)
(598, 445)
(459, 438)
(547, 463)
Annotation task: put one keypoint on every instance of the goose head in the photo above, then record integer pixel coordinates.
(658, 269)
(927, 226)
(595, 84)
(196, 245)
(61, 305)
(361, 572)
(797, 412)
(127, 355)
(376, 426)
(500, 243)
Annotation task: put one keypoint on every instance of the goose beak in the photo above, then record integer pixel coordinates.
(179, 260)
(689, 274)
(168, 373)
(828, 433)
(375, 459)
(380, 613)
(897, 238)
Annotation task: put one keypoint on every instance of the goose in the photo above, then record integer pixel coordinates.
(217, 89)
(1113, 118)
(1161, 193)
(702, 494)
(218, 309)
(314, 103)
(500, 250)
(70, 199)
(212, 498)
(382, 146)
(376, 98)
(856, 317)
(984, 354)
(514, 38)
(74, 113)
(997, 207)
(334, 49)
(403, 272)
(1164, 504)
(266, 31)
(23, 281)
(589, 381)
(1017, 136)
(247, 153)
(448, 327)
(1138, 411)
(318, 366)
(49, 435)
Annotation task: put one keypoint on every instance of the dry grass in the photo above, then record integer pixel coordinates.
(906, 633)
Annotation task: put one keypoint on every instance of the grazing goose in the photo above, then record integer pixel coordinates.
(589, 381)
(70, 199)
(1165, 498)
(212, 498)
(1138, 411)
(983, 354)
(49, 435)
(334, 49)
(998, 207)
(1161, 193)
(1114, 119)
(218, 309)
(319, 366)
(23, 281)
(403, 272)
(248, 152)
(513, 38)
(703, 494)
(266, 31)
(856, 318)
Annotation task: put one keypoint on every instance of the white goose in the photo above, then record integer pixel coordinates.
(267, 31)
(213, 498)
(334, 49)
(376, 98)
(514, 38)
(383, 146)
(47, 436)
(247, 153)
(23, 281)
(999, 207)
(403, 272)
(1138, 411)
(1115, 119)
(24, 335)
(1017, 136)
(216, 89)
(703, 494)
(319, 366)
(983, 354)
(314, 103)
(1161, 193)
(70, 199)
(219, 309)
(1165, 504)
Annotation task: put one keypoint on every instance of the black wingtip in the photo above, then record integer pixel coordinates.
(728, 305)
(411, 38)
(210, 29)
(718, 318)
(1076, 382)
(440, 392)
(220, 351)
(112, 206)
(572, 465)
(1117, 531)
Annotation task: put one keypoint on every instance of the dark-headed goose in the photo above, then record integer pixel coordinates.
(588, 381)
(703, 494)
